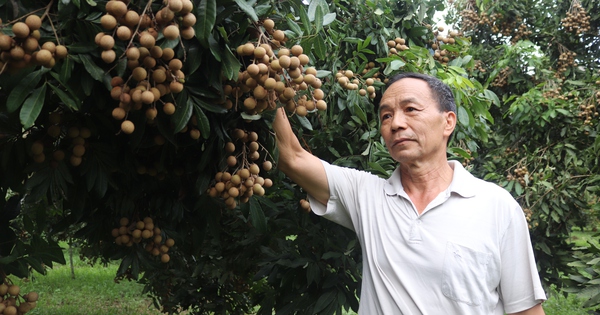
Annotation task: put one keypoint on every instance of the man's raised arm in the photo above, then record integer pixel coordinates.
(299, 165)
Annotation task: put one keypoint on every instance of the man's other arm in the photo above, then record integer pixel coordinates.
(536, 310)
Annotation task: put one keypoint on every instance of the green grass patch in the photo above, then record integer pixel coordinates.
(93, 291)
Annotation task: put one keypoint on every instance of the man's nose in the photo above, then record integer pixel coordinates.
(398, 121)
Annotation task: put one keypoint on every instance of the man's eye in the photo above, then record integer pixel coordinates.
(385, 116)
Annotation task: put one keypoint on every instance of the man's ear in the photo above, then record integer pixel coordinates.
(450, 118)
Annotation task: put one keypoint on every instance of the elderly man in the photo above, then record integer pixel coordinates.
(435, 239)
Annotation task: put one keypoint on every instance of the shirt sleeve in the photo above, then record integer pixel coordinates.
(520, 285)
(344, 189)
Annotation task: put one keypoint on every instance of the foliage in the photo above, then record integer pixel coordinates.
(232, 255)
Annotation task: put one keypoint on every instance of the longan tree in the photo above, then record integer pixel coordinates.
(142, 129)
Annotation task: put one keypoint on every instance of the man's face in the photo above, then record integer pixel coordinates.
(412, 125)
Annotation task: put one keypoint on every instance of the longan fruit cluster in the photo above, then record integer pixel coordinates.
(519, 175)
(73, 142)
(566, 59)
(146, 233)
(23, 48)
(502, 78)
(528, 215)
(12, 302)
(348, 80)
(154, 71)
(396, 45)
(444, 56)
(479, 66)
(272, 76)
(588, 111)
(470, 19)
(240, 179)
(577, 20)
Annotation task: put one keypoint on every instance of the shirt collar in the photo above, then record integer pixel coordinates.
(462, 182)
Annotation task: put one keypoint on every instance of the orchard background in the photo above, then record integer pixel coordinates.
(141, 131)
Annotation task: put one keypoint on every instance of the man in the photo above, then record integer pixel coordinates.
(435, 239)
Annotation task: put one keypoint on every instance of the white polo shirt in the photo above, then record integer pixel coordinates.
(469, 252)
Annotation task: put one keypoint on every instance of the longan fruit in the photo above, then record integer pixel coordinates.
(79, 150)
(170, 242)
(151, 113)
(50, 46)
(34, 22)
(139, 74)
(21, 30)
(30, 44)
(171, 32)
(259, 52)
(6, 42)
(278, 35)
(284, 61)
(321, 105)
(188, 32)
(175, 64)
(159, 76)
(175, 5)
(175, 87)
(127, 127)
(107, 42)
(119, 113)
(43, 57)
(147, 97)
(169, 108)
(13, 290)
(108, 56)
(301, 111)
(268, 24)
(37, 148)
(124, 33)
(254, 169)
(168, 54)
(318, 94)
(195, 134)
(165, 258)
(188, 20)
(11, 310)
(60, 52)
(147, 40)
(247, 49)
(253, 69)
(108, 22)
(267, 165)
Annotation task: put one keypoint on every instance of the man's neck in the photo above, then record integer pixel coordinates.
(424, 182)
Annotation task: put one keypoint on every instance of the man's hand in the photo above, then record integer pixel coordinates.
(536, 310)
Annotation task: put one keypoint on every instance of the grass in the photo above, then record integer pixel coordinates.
(93, 291)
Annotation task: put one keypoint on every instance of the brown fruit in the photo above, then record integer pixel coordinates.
(195, 134)
(147, 40)
(118, 113)
(285, 61)
(43, 57)
(176, 87)
(187, 7)
(165, 258)
(175, 5)
(231, 161)
(34, 22)
(267, 165)
(248, 49)
(169, 108)
(11, 310)
(109, 56)
(124, 33)
(21, 30)
(127, 127)
(147, 97)
(117, 8)
(107, 42)
(268, 24)
(151, 113)
(58, 155)
(60, 52)
(139, 74)
(108, 22)
(188, 20)
(14, 290)
(168, 54)
(131, 19)
(175, 64)
(36, 149)
(6, 42)
(188, 32)
(171, 32)
(278, 35)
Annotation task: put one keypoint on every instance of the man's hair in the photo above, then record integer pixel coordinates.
(439, 90)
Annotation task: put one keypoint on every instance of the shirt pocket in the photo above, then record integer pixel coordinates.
(464, 274)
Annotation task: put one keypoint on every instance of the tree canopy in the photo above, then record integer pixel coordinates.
(141, 129)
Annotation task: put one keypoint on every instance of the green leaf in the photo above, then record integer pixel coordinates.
(329, 18)
(231, 66)
(183, 114)
(324, 301)
(248, 9)
(207, 15)
(319, 19)
(64, 97)
(66, 69)
(304, 122)
(303, 17)
(20, 92)
(320, 48)
(203, 123)
(96, 72)
(463, 116)
(294, 27)
(257, 216)
(32, 106)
